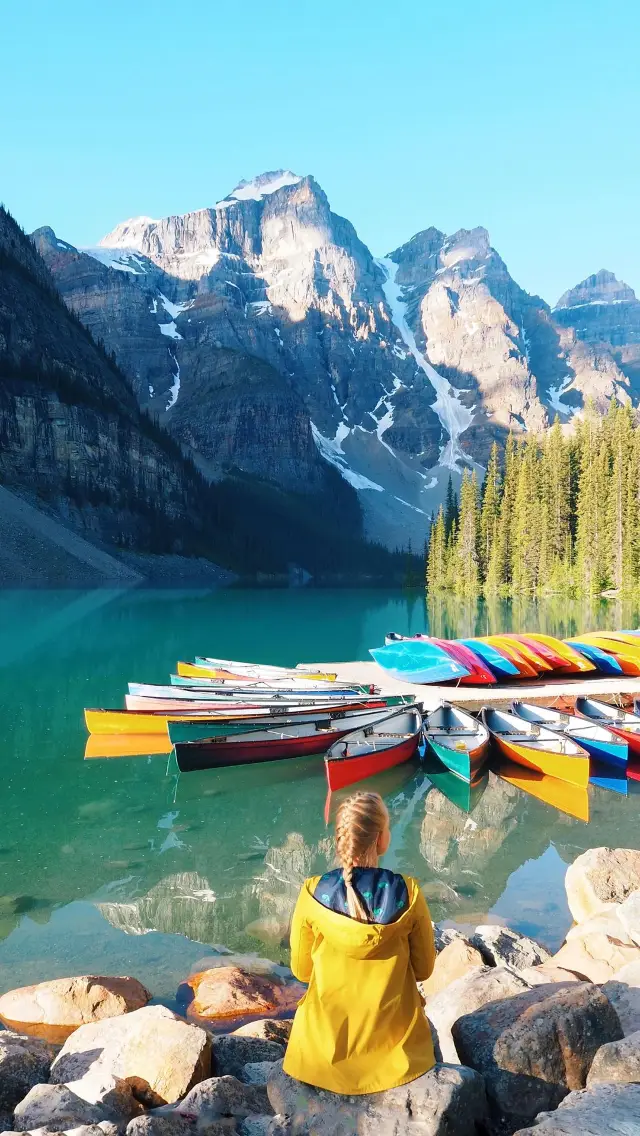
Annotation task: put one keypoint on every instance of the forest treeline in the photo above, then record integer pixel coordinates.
(556, 514)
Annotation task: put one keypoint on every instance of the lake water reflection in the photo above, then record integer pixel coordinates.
(121, 866)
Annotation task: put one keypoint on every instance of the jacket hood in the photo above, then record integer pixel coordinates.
(350, 936)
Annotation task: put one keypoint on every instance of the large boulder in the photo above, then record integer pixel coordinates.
(462, 997)
(170, 1125)
(629, 916)
(447, 1101)
(455, 959)
(161, 1056)
(546, 973)
(24, 1062)
(53, 1010)
(221, 1097)
(617, 1061)
(536, 1047)
(270, 1029)
(501, 947)
(92, 1099)
(227, 992)
(598, 947)
(232, 1052)
(603, 1110)
(601, 876)
(623, 991)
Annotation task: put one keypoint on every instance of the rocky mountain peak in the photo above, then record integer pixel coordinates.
(128, 234)
(260, 187)
(601, 288)
(466, 244)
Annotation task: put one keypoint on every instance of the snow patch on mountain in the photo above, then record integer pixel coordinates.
(554, 398)
(125, 260)
(259, 187)
(454, 416)
(175, 388)
(174, 310)
(128, 234)
(170, 329)
(331, 450)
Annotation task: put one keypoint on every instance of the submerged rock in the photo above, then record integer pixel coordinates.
(534, 1048)
(53, 1010)
(160, 1055)
(24, 1062)
(228, 992)
(601, 876)
(447, 1101)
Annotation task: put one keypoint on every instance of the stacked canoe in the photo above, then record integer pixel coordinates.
(507, 657)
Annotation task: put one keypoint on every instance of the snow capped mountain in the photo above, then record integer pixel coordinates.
(396, 371)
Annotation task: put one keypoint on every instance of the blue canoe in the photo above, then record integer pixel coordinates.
(498, 664)
(608, 752)
(608, 664)
(415, 661)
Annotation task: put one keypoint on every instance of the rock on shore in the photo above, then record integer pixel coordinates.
(552, 1043)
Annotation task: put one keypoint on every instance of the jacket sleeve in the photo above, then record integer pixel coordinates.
(421, 942)
(301, 942)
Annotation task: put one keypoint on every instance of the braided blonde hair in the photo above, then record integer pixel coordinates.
(359, 821)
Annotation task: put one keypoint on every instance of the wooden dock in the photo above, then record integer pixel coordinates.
(560, 691)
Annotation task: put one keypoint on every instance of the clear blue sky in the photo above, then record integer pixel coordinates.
(523, 117)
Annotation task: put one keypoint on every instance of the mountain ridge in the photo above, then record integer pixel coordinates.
(402, 380)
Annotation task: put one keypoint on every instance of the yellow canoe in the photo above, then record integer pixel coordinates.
(627, 655)
(567, 798)
(573, 657)
(126, 745)
(127, 722)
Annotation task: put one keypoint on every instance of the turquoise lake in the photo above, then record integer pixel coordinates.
(121, 866)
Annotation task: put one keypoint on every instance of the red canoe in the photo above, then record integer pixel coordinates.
(479, 674)
(365, 752)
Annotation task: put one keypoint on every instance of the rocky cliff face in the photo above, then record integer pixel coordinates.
(400, 369)
(71, 430)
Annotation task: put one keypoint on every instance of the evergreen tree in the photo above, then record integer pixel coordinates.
(436, 557)
(490, 513)
(451, 511)
(466, 559)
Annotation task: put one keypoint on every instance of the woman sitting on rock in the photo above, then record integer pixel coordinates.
(361, 938)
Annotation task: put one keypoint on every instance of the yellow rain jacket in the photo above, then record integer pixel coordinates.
(360, 1027)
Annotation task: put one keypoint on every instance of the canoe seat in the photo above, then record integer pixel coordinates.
(460, 731)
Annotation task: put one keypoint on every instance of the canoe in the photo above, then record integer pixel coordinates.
(256, 746)
(502, 667)
(192, 670)
(537, 747)
(201, 731)
(371, 749)
(540, 651)
(620, 722)
(243, 693)
(418, 661)
(598, 741)
(460, 741)
(479, 673)
(573, 661)
(602, 661)
(154, 721)
(566, 798)
(463, 794)
(626, 655)
(263, 670)
(527, 661)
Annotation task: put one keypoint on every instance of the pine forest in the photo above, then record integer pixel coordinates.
(556, 514)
